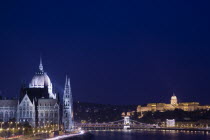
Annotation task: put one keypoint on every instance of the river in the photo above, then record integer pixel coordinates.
(150, 135)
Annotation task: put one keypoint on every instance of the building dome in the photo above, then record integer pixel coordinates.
(174, 100)
(40, 79)
(174, 97)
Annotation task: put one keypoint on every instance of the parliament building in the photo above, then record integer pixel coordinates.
(38, 105)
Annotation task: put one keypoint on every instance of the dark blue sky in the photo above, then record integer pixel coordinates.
(118, 52)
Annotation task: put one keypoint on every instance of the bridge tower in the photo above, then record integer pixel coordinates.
(127, 122)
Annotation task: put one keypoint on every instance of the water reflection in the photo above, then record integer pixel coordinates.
(150, 134)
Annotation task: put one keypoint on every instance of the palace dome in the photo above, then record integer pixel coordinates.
(174, 97)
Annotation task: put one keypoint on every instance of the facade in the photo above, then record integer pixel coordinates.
(186, 106)
(48, 111)
(8, 110)
(170, 122)
(26, 111)
(38, 105)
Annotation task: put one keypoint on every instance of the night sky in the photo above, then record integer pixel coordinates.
(115, 52)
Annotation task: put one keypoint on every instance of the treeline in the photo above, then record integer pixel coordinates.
(91, 112)
(178, 115)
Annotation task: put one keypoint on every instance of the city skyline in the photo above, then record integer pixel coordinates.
(115, 53)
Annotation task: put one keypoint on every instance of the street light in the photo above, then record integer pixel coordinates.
(23, 130)
(13, 131)
(16, 124)
(9, 124)
(7, 131)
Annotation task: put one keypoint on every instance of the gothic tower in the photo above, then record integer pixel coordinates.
(67, 107)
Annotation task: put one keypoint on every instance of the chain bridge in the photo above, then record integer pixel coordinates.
(125, 123)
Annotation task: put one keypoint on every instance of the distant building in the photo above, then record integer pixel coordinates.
(170, 122)
(186, 106)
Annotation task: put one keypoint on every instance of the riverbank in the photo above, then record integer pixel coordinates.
(143, 128)
(80, 136)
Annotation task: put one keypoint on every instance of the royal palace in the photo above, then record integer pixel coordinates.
(174, 104)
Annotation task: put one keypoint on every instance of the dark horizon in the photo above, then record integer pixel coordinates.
(115, 52)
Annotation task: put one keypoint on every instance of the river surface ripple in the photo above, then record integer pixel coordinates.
(150, 135)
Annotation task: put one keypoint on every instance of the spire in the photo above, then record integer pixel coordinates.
(69, 86)
(40, 64)
(69, 82)
(66, 81)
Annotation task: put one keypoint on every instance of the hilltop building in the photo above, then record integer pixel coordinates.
(38, 104)
(186, 106)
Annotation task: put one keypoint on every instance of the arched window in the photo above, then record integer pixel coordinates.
(11, 114)
(51, 114)
(6, 116)
(1, 115)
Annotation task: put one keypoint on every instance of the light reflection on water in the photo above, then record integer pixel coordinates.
(150, 135)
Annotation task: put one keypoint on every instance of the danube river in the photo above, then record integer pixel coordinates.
(149, 135)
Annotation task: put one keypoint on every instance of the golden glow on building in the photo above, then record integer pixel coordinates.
(186, 106)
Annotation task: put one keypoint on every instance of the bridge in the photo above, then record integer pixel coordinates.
(125, 123)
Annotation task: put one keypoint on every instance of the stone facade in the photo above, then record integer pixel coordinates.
(26, 111)
(8, 110)
(48, 111)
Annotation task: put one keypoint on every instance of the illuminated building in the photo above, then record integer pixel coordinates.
(186, 106)
(170, 122)
(67, 107)
(37, 104)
